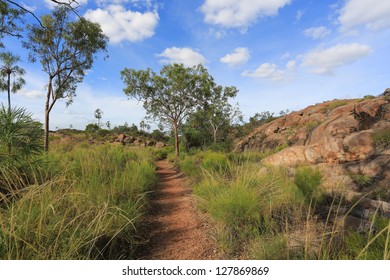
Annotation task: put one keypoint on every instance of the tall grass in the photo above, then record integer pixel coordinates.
(265, 212)
(86, 204)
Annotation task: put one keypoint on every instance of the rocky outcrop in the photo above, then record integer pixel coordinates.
(137, 141)
(333, 132)
(339, 137)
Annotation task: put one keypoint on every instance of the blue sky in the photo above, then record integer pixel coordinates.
(280, 54)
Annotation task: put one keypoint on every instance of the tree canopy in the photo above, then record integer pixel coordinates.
(9, 69)
(173, 94)
(66, 50)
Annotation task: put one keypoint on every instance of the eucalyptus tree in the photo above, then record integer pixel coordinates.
(9, 69)
(10, 20)
(173, 95)
(66, 50)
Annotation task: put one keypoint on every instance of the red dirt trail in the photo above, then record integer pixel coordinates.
(174, 229)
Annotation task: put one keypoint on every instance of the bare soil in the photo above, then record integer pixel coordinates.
(174, 228)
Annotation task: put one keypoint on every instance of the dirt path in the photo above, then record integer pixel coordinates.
(174, 229)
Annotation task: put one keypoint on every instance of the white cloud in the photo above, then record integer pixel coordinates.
(120, 24)
(52, 5)
(371, 14)
(239, 56)
(136, 3)
(299, 15)
(325, 61)
(29, 8)
(271, 72)
(239, 14)
(218, 34)
(317, 32)
(186, 56)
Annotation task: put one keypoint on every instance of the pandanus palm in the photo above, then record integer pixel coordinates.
(8, 70)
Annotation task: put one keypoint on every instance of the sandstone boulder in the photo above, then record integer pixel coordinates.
(160, 145)
(121, 138)
(129, 140)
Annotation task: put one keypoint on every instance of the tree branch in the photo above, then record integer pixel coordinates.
(26, 10)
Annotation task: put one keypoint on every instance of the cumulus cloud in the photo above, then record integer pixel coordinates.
(239, 14)
(186, 56)
(120, 24)
(371, 14)
(326, 60)
(239, 56)
(271, 72)
(317, 32)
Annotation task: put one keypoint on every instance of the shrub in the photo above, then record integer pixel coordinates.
(21, 137)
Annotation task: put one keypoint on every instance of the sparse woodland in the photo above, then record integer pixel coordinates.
(266, 189)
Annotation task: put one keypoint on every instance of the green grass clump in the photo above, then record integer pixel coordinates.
(374, 245)
(312, 125)
(215, 162)
(268, 212)
(381, 139)
(308, 180)
(333, 105)
(86, 205)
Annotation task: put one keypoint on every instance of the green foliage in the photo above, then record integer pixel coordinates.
(10, 20)
(91, 128)
(368, 97)
(333, 105)
(265, 212)
(312, 125)
(171, 96)
(370, 246)
(9, 69)
(98, 115)
(268, 248)
(381, 139)
(88, 207)
(361, 180)
(20, 136)
(215, 162)
(261, 118)
(308, 180)
(66, 50)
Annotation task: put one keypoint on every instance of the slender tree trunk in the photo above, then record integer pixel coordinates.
(9, 93)
(215, 130)
(47, 113)
(175, 129)
(46, 132)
